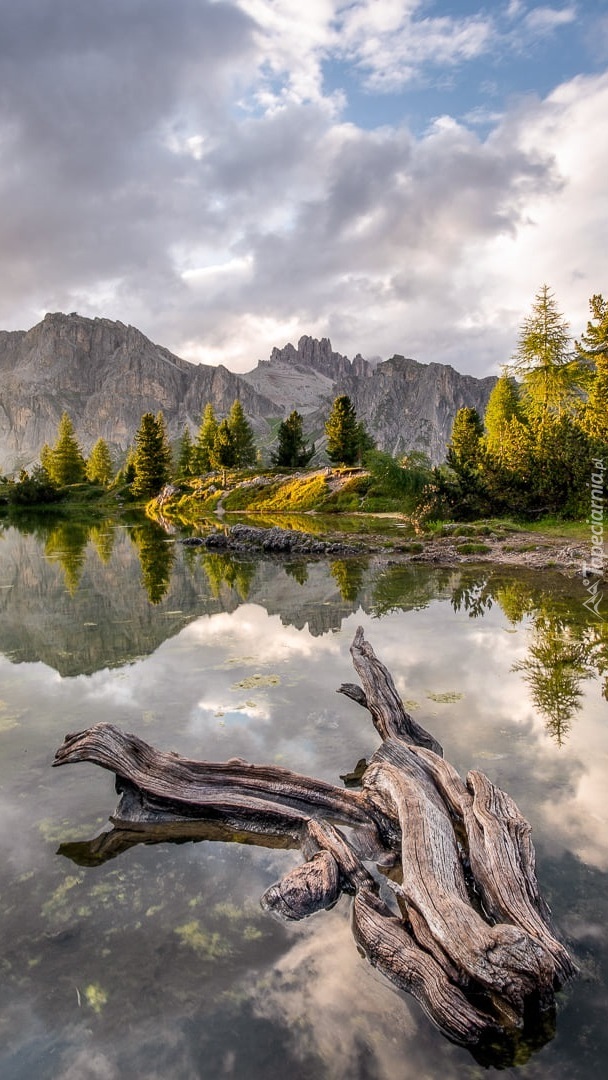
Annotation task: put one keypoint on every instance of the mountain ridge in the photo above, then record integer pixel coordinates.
(106, 374)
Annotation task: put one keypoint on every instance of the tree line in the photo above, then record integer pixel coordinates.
(532, 452)
(545, 426)
(218, 445)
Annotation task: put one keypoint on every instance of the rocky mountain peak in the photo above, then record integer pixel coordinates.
(106, 374)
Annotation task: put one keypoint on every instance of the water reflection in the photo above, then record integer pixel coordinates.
(114, 970)
(156, 558)
(566, 648)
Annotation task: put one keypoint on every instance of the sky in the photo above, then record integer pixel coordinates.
(400, 176)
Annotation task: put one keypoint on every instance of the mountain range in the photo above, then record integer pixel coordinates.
(106, 375)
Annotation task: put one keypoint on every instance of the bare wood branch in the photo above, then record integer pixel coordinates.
(414, 814)
(386, 707)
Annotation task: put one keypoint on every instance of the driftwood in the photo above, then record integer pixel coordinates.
(453, 914)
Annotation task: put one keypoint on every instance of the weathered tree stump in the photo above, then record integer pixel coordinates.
(468, 934)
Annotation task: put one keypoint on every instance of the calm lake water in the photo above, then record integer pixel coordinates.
(161, 963)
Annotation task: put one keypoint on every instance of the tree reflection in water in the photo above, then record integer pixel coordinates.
(224, 570)
(156, 557)
(66, 544)
(565, 646)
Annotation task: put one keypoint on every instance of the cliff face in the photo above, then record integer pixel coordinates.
(106, 375)
(411, 406)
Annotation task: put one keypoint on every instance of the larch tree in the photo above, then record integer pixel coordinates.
(504, 405)
(100, 468)
(203, 447)
(544, 362)
(465, 447)
(223, 455)
(185, 455)
(292, 451)
(242, 436)
(342, 432)
(592, 350)
(152, 456)
(65, 463)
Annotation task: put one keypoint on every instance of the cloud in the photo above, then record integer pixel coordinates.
(187, 170)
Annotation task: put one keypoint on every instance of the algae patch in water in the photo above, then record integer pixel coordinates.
(253, 682)
(448, 698)
(212, 946)
(96, 997)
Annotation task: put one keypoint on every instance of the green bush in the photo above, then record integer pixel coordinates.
(473, 549)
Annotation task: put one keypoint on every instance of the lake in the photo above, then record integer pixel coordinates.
(160, 963)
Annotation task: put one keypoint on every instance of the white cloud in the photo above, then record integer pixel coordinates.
(542, 20)
(201, 182)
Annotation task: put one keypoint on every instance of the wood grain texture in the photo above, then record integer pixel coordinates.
(459, 922)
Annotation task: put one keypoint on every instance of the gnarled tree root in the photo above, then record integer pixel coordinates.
(459, 921)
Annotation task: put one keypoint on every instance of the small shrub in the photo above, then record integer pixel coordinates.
(473, 549)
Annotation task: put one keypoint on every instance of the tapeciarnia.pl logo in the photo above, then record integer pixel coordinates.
(593, 573)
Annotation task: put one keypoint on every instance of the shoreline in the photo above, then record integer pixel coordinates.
(525, 549)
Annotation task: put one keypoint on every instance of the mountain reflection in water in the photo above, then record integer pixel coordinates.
(101, 611)
(161, 962)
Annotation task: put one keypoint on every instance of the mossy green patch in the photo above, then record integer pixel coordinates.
(96, 997)
(474, 549)
(447, 698)
(210, 945)
(253, 682)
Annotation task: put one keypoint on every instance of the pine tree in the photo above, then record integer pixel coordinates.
(203, 449)
(100, 469)
(65, 463)
(223, 455)
(594, 343)
(185, 455)
(342, 432)
(292, 451)
(242, 436)
(592, 350)
(543, 360)
(503, 406)
(152, 456)
(465, 445)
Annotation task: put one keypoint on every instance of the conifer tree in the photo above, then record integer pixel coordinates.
(223, 454)
(465, 445)
(65, 463)
(503, 406)
(292, 451)
(242, 436)
(203, 448)
(593, 352)
(100, 469)
(185, 454)
(342, 432)
(594, 343)
(550, 377)
(152, 456)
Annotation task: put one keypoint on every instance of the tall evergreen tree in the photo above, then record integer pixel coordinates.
(342, 432)
(152, 456)
(594, 343)
(465, 446)
(550, 376)
(185, 454)
(503, 406)
(100, 469)
(203, 448)
(592, 350)
(65, 463)
(242, 436)
(292, 451)
(223, 455)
